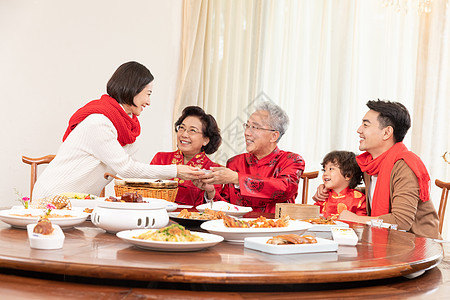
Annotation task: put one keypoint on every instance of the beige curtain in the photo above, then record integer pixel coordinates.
(219, 64)
(321, 61)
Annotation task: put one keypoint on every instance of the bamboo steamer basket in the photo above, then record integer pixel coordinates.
(148, 188)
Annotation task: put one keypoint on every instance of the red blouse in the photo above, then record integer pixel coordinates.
(347, 199)
(188, 193)
(265, 182)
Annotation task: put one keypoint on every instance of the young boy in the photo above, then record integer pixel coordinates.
(341, 174)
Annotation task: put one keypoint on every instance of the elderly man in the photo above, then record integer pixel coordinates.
(265, 175)
(397, 181)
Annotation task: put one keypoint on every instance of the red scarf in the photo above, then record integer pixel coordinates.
(127, 128)
(382, 165)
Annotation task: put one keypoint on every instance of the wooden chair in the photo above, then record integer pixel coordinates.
(34, 162)
(445, 186)
(306, 176)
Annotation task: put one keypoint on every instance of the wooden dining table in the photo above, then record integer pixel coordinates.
(97, 264)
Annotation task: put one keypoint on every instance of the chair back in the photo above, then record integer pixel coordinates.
(306, 176)
(34, 162)
(445, 186)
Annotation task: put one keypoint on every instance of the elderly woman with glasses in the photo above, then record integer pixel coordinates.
(197, 135)
(265, 175)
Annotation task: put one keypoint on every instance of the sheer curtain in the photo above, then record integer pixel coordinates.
(321, 61)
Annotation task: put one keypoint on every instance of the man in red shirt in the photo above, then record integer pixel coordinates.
(265, 175)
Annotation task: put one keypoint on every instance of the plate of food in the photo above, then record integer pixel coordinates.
(236, 230)
(45, 235)
(290, 244)
(195, 219)
(79, 196)
(228, 208)
(20, 218)
(174, 238)
(321, 224)
(81, 200)
(136, 203)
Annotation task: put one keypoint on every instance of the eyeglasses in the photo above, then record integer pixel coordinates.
(182, 129)
(253, 128)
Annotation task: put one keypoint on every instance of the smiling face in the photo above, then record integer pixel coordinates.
(141, 100)
(259, 141)
(372, 138)
(333, 178)
(190, 139)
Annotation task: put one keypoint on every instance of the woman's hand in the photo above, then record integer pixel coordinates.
(208, 188)
(203, 186)
(220, 175)
(188, 172)
(321, 193)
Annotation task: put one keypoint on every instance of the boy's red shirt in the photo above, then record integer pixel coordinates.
(348, 199)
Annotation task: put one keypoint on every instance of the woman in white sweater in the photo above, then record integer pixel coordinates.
(100, 138)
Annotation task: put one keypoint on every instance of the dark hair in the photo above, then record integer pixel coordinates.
(128, 81)
(209, 124)
(346, 161)
(392, 114)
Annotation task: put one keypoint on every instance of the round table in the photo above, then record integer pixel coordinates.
(90, 252)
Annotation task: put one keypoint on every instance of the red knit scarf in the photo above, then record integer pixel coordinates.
(382, 165)
(127, 128)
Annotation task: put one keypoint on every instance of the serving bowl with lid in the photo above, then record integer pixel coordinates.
(117, 216)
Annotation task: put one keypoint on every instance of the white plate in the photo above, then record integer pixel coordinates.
(22, 222)
(81, 209)
(327, 227)
(55, 240)
(184, 206)
(84, 203)
(228, 208)
(171, 206)
(344, 236)
(260, 244)
(149, 203)
(210, 240)
(239, 234)
(185, 221)
(74, 208)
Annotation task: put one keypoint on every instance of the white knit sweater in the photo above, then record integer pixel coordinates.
(89, 151)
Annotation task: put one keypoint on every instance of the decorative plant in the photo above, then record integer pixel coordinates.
(24, 200)
(48, 209)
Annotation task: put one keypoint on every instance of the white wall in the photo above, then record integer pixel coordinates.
(56, 55)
